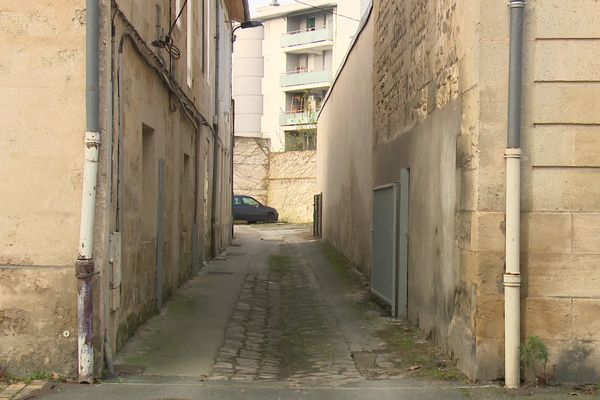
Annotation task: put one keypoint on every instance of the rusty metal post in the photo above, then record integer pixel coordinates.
(84, 270)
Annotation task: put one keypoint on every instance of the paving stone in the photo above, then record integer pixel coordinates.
(283, 327)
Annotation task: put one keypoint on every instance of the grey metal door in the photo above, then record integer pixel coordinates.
(383, 274)
(389, 277)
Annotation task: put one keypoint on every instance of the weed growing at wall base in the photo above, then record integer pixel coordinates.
(533, 353)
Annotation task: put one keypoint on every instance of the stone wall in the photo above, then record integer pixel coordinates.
(251, 167)
(441, 70)
(283, 180)
(426, 103)
(292, 185)
(561, 176)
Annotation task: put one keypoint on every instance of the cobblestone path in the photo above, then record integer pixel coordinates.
(283, 329)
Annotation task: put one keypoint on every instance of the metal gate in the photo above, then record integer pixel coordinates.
(318, 215)
(389, 276)
(383, 274)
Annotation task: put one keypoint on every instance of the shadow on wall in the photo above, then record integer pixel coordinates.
(575, 365)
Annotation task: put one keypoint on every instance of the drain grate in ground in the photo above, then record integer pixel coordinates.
(219, 272)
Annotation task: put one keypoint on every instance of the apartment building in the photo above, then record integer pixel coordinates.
(283, 69)
(281, 73)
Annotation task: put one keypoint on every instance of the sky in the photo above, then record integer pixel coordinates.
(258, 3)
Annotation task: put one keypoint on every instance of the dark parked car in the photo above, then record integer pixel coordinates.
(249, 209)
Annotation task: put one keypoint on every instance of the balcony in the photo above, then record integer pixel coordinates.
(303, 79)
(311, 38)
(298, 118)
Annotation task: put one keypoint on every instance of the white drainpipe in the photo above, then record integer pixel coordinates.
(512, 276)
(85, 262)
(84, 265)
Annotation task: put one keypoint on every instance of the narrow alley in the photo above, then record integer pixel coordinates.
(278, 315)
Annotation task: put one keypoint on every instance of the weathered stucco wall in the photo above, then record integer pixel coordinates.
(43, 85)
(292, 185)
(344, 156)
(38, 330)
(156, 129)
(42, 121)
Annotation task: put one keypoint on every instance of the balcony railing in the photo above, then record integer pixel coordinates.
(306, 36)
(303, 77)
(298, 118)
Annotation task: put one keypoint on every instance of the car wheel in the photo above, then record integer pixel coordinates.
(271, 218)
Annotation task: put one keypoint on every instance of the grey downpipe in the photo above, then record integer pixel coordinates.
(517, 8)
(84, 266)
(215, 174)
(512, 275)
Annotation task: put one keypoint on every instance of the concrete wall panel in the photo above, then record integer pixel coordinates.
(344, 159)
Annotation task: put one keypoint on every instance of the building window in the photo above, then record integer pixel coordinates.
(301, 140)
(310, 23)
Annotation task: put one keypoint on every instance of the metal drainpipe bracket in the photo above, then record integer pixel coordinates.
(84, 268)
(512, 280)
(92, 138)
(512, 153)
(517, 4)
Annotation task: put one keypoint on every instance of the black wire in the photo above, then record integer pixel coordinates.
(171, 48)
(326, 10)
(177, 19)
(167, 43)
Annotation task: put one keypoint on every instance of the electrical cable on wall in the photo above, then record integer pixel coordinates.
(326, 10)
(167, 42)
